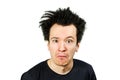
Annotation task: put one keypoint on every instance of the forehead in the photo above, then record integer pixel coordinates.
(62, 31)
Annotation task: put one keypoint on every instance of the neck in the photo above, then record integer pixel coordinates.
(64, 69)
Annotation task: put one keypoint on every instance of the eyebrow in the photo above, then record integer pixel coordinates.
(54, 38)
(70, 37)
(66, 37)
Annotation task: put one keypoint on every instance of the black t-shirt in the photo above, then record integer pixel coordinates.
(80, 71)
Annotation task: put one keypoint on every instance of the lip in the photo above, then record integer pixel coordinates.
(61, 55)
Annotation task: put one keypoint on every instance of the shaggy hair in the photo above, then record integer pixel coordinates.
(62, 17)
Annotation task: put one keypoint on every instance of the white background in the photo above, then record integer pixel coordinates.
(22, 45)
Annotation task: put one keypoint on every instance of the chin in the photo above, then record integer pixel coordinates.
(61, 62)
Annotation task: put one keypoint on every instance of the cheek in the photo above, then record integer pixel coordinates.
(52, 49)
(71, 51)
(72, 48)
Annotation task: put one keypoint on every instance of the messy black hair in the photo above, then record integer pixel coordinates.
(62, 17)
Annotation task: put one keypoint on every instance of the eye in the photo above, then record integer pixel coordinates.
(69, 41)
(55, 41)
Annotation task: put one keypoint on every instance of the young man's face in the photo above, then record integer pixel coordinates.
(62, 44)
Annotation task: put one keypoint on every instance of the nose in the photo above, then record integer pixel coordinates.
(62, 47)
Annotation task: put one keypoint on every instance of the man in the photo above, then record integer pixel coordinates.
(63, 30)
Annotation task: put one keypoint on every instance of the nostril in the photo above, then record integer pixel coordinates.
(62, 50)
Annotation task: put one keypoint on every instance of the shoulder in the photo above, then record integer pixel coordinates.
(82, 64)
(37, 67)
(34, 72)
(85, 68)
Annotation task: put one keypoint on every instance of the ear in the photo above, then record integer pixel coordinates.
(48, 45)
(77, 46)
